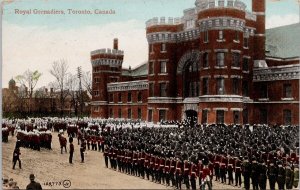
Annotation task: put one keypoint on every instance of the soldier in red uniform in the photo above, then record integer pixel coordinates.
(217, 166)
(200, 169)
(193, 175)
(186, 172)
(152, 167)
(172, 170)
(147, 165)
(230, 170)
(178, 173)
(206, 178)
(223, 167)
(161, 176)
(167, 171)
(156, 168)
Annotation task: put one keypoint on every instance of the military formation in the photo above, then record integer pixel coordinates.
(177, 154)
(197, 156)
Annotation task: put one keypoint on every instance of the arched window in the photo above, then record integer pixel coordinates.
(191, 79)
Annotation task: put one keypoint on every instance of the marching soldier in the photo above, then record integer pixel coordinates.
(272, 175)
(105, 154)
(178, 173)
(238, 172)
(281, 176)
(246, 168)
(296, 176)
(254, 173)
(217, 166)
(223, 168)
(230, 170)
(186, 172)
(167, 171)
(193, 175)
(289, 175)
(147, 165)
(82, 150)
(262, 175)
(172, 171)
(71, 150)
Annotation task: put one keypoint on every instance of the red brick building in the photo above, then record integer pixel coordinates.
(217, 63)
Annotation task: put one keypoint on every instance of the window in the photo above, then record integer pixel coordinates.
(245, 89)
(204, 116)
(97, 80)
(96, 109)
(111, 115)
(246, 41)
(139, 113)
(163, 47)
(236, 60)
(139, 97)
(151, 67)
(205, 36)
(163, 67)
(235, 86)
(163, 89)
(287, 90)
(245, 64)
(245, 116)
(205, 60)
(190, 24)
(120, 97)
(150, 48)
(96, 93)
(129, 97)
(111, 97)
(162, 115)
(236, 117)
(151, 89)
(263, 116)
(129, 113)
(221, 35)
(220, 116)
(220, 86)
(287, 117)
(120, 113)
(263, 91)
(150, 115)
(220, 59)
(236, 36)
(205, 86)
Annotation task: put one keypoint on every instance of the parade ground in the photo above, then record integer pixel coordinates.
(53, 171)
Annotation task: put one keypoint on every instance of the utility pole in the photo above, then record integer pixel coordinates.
(79, 74)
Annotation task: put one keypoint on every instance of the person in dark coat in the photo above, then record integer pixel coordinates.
(33, 185)
(281, 176)
(16, 157)
(254, 174)
(71, 150)
(246, 173)
(288, 177)
(262, 180)
(272, 175)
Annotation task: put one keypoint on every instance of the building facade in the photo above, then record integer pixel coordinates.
(216, 64)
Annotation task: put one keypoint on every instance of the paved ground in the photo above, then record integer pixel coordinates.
(52, 166)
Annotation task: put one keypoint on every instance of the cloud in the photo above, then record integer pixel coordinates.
(280, 20)
(37, 47)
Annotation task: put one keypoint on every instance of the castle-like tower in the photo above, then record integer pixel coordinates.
(107, 66)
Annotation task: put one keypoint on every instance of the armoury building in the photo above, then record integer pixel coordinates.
(217, 64)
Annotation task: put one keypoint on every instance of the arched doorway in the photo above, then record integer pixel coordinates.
(192, 117)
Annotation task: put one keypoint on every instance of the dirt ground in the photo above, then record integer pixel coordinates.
(53, 167)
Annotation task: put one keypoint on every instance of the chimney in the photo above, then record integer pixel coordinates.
(116, 43)
(259, 9)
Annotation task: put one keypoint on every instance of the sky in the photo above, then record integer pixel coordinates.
(35, 41)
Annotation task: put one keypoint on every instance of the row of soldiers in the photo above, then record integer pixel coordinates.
(185, 154)
(34, 139)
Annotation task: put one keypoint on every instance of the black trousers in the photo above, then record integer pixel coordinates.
(15, 161)
(193, 183)
(82, 156)
(238, 179)
(247, 181)
(217, 173)
(106, 161)
(178, 180)
(272, 182)
(71, 157)
(186, 181)
(254, 182)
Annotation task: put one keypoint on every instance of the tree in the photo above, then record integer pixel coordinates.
(72, 83)
(29, 79)
(59, 71)
(87, 81)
